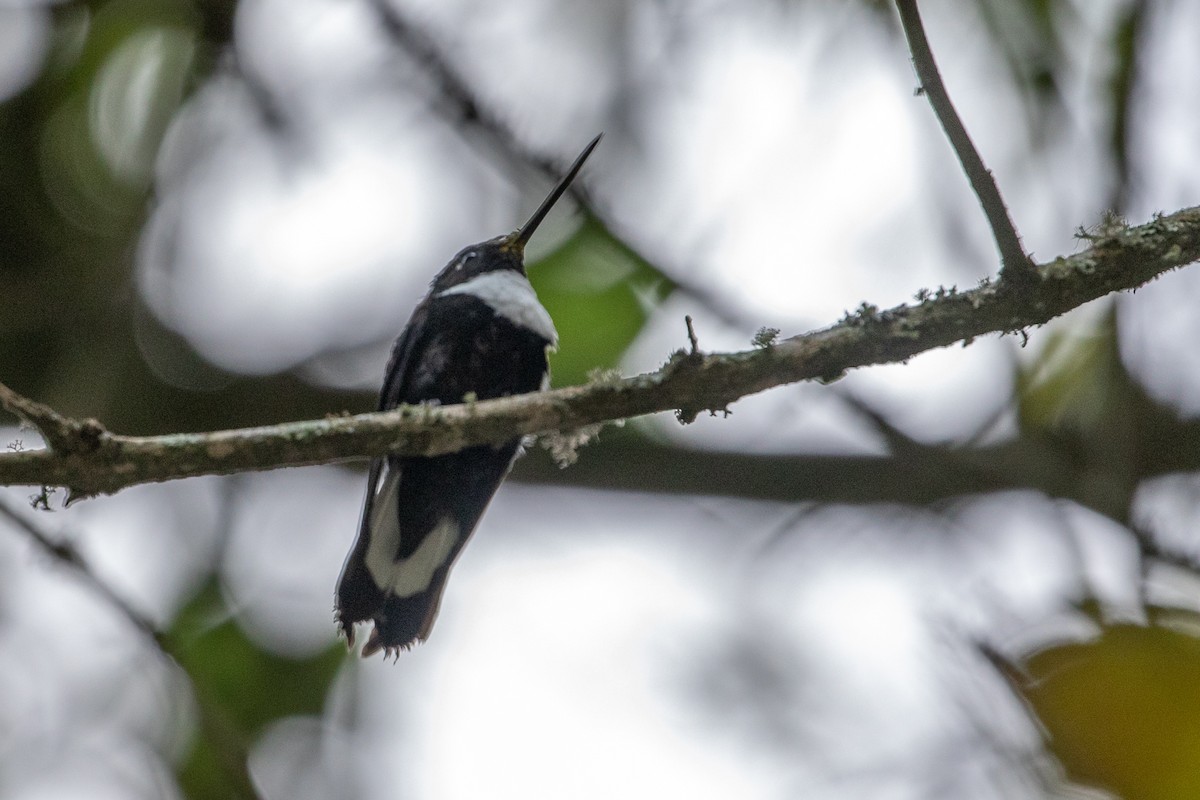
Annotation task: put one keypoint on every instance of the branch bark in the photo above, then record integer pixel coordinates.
(98, 461)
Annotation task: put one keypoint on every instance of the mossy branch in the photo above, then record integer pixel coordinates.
(90, 460)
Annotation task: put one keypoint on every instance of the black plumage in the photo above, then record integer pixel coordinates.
(480, 332)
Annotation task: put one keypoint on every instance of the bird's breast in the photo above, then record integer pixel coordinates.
(487, 337)
(509, 295)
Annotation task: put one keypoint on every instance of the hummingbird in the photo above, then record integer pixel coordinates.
(479, 333)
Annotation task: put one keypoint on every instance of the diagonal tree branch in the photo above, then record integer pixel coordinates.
(1119, 259)
(64, 553)
(214, 720)
(460, 104)
(1017, 266)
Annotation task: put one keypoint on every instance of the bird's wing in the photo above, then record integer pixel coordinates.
(355, 592)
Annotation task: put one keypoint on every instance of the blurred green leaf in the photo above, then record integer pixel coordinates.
(1122, 711)
(1070, 385)
(242, 687)
(599, 294)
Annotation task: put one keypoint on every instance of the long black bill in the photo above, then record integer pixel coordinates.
(526, 231)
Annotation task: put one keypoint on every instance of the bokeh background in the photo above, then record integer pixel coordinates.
(969, 576)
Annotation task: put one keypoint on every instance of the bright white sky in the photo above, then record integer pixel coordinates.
(786, 165)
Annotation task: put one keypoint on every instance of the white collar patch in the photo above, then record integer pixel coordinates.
(510, 295)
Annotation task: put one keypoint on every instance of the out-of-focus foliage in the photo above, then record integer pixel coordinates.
(80, 136)
(599, 294)
(1120, 709)
(241, 687)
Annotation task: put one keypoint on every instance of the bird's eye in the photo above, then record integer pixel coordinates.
(466, 259)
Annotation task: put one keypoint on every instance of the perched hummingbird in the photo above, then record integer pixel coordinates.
(480, 332)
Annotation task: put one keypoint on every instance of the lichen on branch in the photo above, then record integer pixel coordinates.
(88, 459)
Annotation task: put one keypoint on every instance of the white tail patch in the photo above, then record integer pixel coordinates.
(510, 295)
(412, 575)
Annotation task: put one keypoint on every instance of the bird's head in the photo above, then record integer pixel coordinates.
(506, 252)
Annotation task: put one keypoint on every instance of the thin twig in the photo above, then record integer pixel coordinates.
(215, 723)
(692, 340)
(1016, 265)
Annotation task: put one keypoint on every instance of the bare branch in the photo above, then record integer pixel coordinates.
(1017, 267)
(1119, 259)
